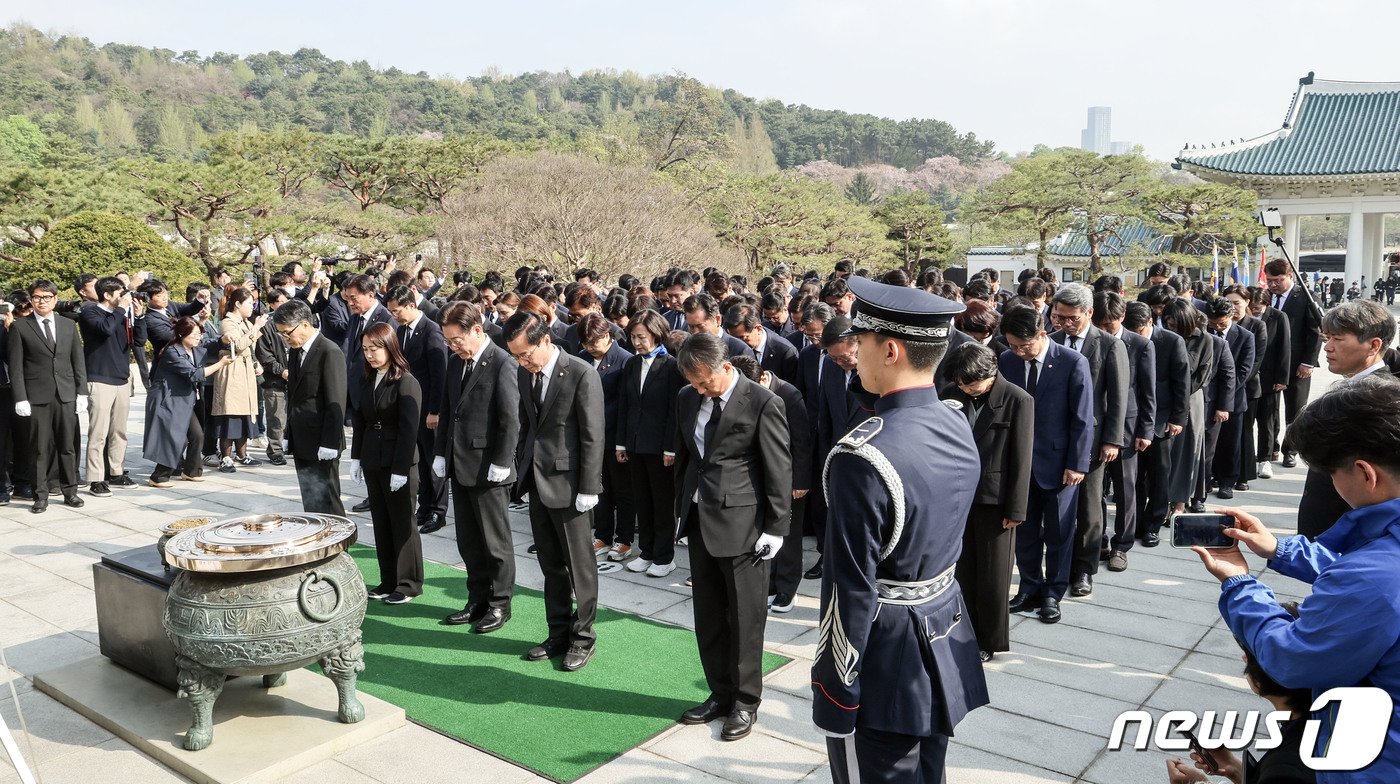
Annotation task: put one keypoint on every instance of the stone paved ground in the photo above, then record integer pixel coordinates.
(1149, 638)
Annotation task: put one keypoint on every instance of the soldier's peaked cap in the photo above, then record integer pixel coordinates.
(901, 312)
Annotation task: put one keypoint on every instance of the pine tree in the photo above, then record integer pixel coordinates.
(862, 190)
(118, 130)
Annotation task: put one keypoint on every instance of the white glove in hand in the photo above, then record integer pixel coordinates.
(22, 408)
(82, 404)
(440, 467)
(396, 482)
(585, 502)
(286, 445)
(326, 453)
(496, 474)
(356, 473)
(773, 542)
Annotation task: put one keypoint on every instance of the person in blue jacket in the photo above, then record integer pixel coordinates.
(1347, 633)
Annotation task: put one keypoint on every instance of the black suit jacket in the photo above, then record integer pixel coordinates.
(159, 325)
(1005, 436)
(1140, 419)
(106, 350)
(1108, 367)
(836, 407)
(809, 367)
(1276, 367)
(1304, 329)
(39, 374)
(426, 353)
(646, 415)
(610, 374)
(386, 424)
(354, 354)
(799, 432)
(271, 353)
(561, 447)
(480, 424)
(316, 400)
(744, 482)
(1240, 342)
(1260, 331)
(779, 357)
(1220, 385)
(1173, 380)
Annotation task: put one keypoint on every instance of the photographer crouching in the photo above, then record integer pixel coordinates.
(1346, 631)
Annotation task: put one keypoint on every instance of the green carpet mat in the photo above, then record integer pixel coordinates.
(479, 689)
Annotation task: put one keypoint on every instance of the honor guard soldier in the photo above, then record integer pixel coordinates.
(891, 682)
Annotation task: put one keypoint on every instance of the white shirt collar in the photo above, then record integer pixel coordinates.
(1369, 369)
(728, 393)
(762, 341)
(548, 369)
(1043, 352)
(413, 325)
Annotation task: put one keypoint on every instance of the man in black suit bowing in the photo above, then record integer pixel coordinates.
(1072, 310)
(48, 379)
(560, 465)
(422, 344)
(475, 446)
(1172, 375)
(315, 407)
(773, 353)
(733, 498)
(1138, 422)
(1304, 342)
(702, 316)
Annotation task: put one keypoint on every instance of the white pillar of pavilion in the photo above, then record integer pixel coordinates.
(1374, 227)
(1356, 242)
(1290, 237)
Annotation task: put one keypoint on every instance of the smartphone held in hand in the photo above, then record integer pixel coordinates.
(1202, 530)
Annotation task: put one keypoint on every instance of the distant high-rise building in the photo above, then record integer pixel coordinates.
(1120, 148)
(1099, 131)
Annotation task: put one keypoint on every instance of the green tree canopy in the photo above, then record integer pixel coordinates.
(916, 227)
(102, 243)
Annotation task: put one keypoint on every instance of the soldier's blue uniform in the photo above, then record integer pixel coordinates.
(897, 665)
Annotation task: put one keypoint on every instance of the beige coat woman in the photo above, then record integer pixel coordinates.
(236, 386)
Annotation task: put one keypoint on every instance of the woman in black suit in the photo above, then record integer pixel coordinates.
(645, 433)
(384, 455)
(1002, 416)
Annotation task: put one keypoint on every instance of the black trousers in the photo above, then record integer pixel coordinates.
(205, 407)
(786, 566)
(432, 489)
(564, 546)
(1123, 475)
(615, 516)
(1249, 454)
(7, 453)
(319, 481)
(1227, 466)
(876, 757)
(21, 467)
(190, 466)
(1088, 521)
(484, 542)
(1154, 480)
(1205, 474)
(984, 575)
(1294, 398)
(729, 597)
(396, 541)
(54, 428)
(1267, 417)
(654, 500)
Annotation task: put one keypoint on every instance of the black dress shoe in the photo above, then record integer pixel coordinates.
(1104, 553)
(1022, 602)
(24, 493)
(1083, 585)
(434, 523)
(1196, 507)
(738, 724)
(1151, 540)
(707, 711)
(494, 619)
(469, 614)
(1241, 486)
(815, 573)
(1049, 610)
(121, 481)
(577, 657)
(1225, 492)
(362, 506)
(547, 650)
(532, 549)
(41, 505)
(1290, 461)
(73, 500)
(985, 656)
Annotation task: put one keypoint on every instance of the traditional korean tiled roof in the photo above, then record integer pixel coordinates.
(999, 250)
(1332, 129)
(1134, 237)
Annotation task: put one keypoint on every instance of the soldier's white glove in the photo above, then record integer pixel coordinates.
(356, 473)
(81, 404)
(773, 542)
(496, 474)
(326, 453)
(22, 408)
(396, 482)
(440, 467)
(585, 502)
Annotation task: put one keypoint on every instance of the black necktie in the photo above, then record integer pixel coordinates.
(355, 333)
(537, 391)
(1074, 342)
(1032, 376)
(403, 335)
(48, 332)
(467, 371)
(712, 426)
(293, 363)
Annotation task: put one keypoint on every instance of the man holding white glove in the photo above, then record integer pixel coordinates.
(474, 445)
(48, 378)
(560, 465)
(315, 407)
(733, 498)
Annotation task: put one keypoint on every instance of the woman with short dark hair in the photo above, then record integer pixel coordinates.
(384, 455)
(173, 436)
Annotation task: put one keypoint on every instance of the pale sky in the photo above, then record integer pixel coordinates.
(1018, 72)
